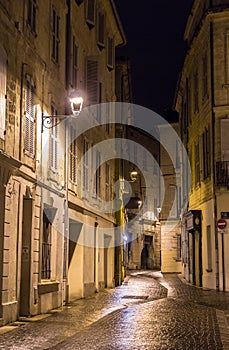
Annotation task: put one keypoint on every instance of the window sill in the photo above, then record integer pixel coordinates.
(48, 287)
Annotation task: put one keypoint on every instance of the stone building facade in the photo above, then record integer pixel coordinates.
(171, 206)
(203, 105)
(47, 50)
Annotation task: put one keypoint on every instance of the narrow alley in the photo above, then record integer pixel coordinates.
(149, 311)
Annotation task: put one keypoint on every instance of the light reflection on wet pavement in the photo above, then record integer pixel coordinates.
(149, 311)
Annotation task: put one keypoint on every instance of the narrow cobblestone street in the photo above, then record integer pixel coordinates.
(149, 311)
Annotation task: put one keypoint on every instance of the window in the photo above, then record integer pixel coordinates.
(178, 247)
(101, 29)
(53, 154)
(98, 175)
(90, 12)
(197, 164)
(92, 83)
(110, 52)
(108, 118)
(209, 249)
(31, 18)
(74, 63)
(73, 156)
(55, 36)
(29, 117)
(107, 187)
(85, 166)
(205, 77)
(46, 248)
(196, 92)
(206, 154)
(3, 73)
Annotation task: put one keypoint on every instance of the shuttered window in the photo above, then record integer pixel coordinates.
(55, 36)
(73, 156)
(85, 165)
(107, 194)
(205, 77)
(29, 117)
(196, 92)
(206, 154)
(101, 29)
(110, 53)
(32, 12)
(3, 73)
(98, 174)
(74, 63)
(90, 12)
(197, 164)
(92, 83)
(53, 150)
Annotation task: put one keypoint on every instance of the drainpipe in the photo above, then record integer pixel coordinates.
(21, 109)
(213, 158)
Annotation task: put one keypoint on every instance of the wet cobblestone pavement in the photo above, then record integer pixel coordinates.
(149, 311)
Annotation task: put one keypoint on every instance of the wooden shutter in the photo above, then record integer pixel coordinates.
(101, 29)
(85, 166)
(92, 83)
(29, 117)
(110, 52)
(3, 71)
(90, 11)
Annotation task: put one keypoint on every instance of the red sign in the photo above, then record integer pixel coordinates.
(221, 224)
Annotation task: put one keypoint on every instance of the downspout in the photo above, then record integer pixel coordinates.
(21, 110)
(213, 157)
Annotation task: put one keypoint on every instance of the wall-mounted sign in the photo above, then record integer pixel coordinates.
(225, 215)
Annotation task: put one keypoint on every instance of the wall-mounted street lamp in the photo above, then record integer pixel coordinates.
(50, 121)
(133, 175)
(76, 103)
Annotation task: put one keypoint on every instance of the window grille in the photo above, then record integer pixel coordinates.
(46, 248)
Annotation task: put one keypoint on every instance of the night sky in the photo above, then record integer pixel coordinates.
(154, 30)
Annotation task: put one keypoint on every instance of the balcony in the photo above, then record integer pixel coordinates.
(222, 173)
